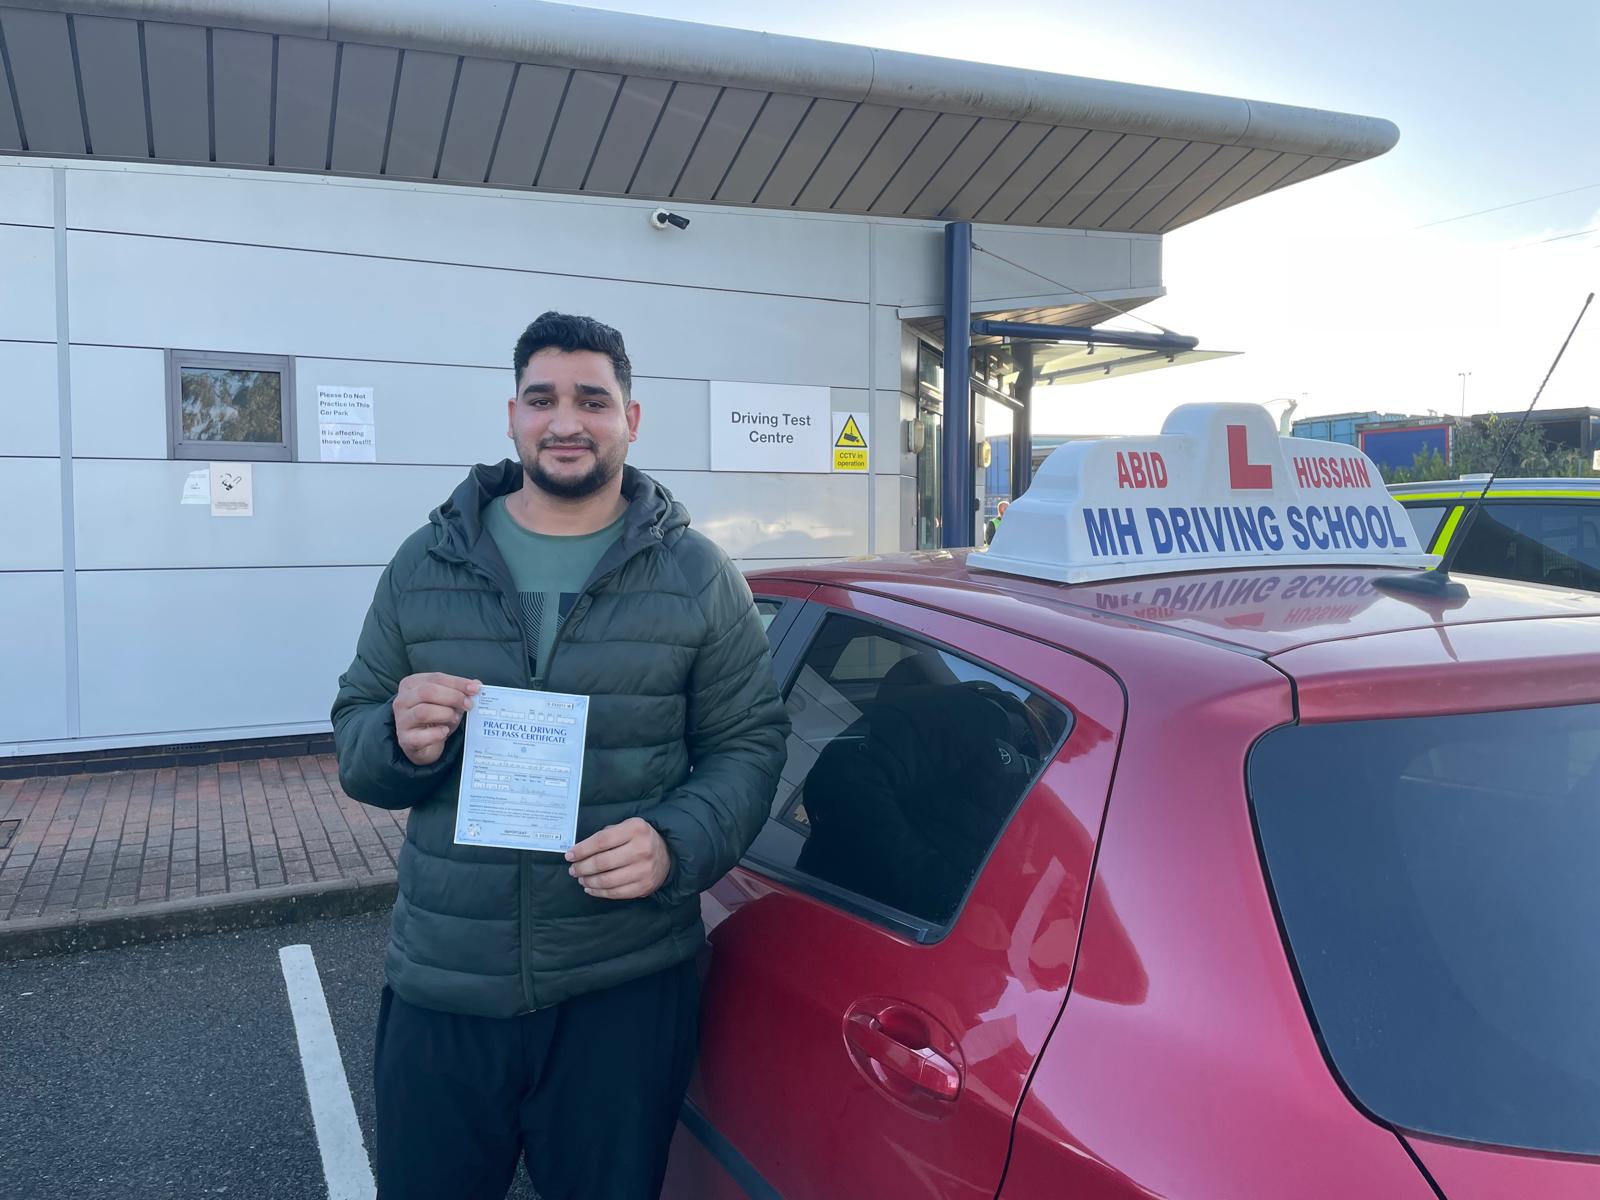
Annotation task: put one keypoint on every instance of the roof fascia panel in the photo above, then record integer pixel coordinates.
(304, 18)
(531, 31)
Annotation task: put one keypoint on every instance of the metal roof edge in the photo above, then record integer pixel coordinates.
(299, 18)
(624, 43)
(1045, 299)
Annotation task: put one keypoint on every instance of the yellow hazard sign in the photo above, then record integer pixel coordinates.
(849, 441)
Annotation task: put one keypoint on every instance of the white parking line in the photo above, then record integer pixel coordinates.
(333, 1112)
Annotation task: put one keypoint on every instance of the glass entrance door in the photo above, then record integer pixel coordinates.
(999, 417)
(929, 443)
(996, 444)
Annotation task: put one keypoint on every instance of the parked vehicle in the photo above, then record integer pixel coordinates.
(1106, 870)
(1537, 530)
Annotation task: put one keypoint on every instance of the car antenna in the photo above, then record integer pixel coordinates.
(1437, 582)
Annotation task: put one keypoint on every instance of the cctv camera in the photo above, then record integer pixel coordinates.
(661, 218)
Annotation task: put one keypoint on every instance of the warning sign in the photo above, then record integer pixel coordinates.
(849, 441)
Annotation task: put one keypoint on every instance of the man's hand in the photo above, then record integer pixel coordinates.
(427, 709)
(621, 862)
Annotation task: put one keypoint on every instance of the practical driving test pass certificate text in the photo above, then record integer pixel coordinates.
(522, 770)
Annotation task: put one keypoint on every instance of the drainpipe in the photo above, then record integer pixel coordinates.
(956, 489)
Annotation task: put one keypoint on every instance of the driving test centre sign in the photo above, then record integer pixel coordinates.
(1218, 488)
(770, 427)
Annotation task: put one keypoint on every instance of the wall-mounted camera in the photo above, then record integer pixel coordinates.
(661, 219)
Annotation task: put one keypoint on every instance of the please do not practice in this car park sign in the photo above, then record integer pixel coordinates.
(1218, 487)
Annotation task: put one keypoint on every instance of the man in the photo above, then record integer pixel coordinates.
(537, 1003)
(992, 525)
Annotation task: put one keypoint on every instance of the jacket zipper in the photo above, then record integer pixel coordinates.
(524, 879)
(584, 596)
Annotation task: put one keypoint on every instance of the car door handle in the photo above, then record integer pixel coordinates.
(920, 1066)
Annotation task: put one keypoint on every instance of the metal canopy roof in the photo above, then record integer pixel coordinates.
(1066, 364)
(542, 96)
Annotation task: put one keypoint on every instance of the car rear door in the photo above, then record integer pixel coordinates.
(890, 958)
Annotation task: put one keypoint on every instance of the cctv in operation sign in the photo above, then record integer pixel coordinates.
(770, 427)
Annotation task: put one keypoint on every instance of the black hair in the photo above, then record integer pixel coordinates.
(568, 333)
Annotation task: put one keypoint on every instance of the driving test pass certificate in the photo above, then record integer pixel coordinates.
(522, 769)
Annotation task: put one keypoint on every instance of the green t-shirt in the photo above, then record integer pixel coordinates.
(549, 572)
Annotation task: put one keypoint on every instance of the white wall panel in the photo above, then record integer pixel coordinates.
(28, 297)
(674, 425)
(30, 499)
(457, 415)
(911, 263)
(321, 514)
(723, 248)
(894, 345)
(147, 292)
(119, 403)
(336, 514)
(29, 410)
(191, 650)
(888, 449)
(897, 520)
(1146, 264)
(1066, 255)
(27, 196)
(129, 515)
(776, 516)
(421, 414)
(33, 700)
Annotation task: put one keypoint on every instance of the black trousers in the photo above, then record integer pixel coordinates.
(588, 1091)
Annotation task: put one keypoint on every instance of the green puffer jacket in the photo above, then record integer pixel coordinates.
(685, 730)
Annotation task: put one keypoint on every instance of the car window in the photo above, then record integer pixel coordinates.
(905, 762)
(777, 615)
(1425, 519)
(1436, 878)
(1538, 542)
(768, 610)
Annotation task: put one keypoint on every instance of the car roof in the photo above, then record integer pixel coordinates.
(1262, 611)
(1437, 489)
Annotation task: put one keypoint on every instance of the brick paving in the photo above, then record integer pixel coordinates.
(95, 843)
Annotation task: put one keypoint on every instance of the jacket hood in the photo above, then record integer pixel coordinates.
(651, 513)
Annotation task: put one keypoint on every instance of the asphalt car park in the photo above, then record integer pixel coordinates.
(174, 1069)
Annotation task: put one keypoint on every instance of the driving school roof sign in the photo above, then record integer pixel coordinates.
(1218, 488)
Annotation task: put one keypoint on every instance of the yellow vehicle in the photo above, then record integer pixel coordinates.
(1536, 530)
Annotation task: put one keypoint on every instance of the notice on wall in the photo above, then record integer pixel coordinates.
(197, 487)
(850, 451)
(232, 489)
(769, 427)
(345, 424)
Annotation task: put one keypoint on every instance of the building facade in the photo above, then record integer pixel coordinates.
(263, 278)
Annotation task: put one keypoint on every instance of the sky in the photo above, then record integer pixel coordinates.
(1334, 291)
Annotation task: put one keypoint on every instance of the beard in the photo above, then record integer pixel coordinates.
(605, 468)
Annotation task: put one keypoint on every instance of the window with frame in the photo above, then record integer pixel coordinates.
(768, 611)
(230, 406)
(1554, 543)
(906, 761)
(1435, 880)
(1426, 519)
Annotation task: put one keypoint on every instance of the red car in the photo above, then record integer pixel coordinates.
(1100, 874)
